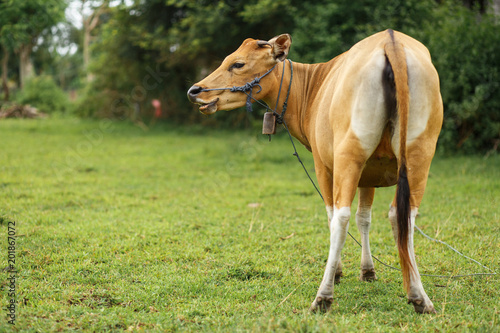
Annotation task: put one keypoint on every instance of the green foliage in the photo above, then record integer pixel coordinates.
(125, 230)
(22, 21)
(466, 52)
(325, 29)
(44, 94)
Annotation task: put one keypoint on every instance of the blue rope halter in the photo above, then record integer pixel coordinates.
(247, 88)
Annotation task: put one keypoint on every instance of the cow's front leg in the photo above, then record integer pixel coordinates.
(347, 171)
(338, 231)
(325, 181)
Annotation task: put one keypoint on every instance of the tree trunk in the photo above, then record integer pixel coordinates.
(5, 86)
(86, 45)
(25, 65)
(86, 50)
(90, 23)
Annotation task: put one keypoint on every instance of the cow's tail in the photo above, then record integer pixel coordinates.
(396, 56)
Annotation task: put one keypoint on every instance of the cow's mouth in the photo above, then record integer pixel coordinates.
(209, 108)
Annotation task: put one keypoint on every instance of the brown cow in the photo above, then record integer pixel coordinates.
(371, 117)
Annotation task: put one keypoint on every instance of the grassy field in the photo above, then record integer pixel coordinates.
(190, 229)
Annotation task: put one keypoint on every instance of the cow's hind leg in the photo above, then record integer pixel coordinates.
(418, 169)
(416, 293)
(363, 221)
(347, 170)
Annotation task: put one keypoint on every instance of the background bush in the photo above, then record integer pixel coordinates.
(44, 94)
(466, 52)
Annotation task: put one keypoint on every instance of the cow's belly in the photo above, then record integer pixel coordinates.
(379, 172)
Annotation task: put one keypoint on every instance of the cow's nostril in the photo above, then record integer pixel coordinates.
(194, 91)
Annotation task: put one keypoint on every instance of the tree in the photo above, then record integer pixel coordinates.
(5, 69)
(21, 24)
(90, 22)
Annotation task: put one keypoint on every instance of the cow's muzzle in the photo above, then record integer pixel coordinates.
(193, 93)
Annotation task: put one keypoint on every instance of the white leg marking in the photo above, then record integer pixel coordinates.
(417, 293)
(338, 232)
(363, 221)
(338, 272)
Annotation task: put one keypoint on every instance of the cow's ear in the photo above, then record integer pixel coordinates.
(281, 46)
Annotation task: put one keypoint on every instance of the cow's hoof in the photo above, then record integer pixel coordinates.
(421, 306)
(338, 275)
(321, 304)
(368, 275)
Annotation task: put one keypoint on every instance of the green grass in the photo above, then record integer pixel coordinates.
(180, 229)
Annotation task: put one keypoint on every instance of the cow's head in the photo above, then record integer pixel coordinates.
(252, 59)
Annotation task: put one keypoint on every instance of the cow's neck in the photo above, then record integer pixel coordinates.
(302, 92)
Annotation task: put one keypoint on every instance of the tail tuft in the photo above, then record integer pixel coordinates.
(403, 218)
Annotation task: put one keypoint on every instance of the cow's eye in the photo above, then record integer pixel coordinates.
(237, 65)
